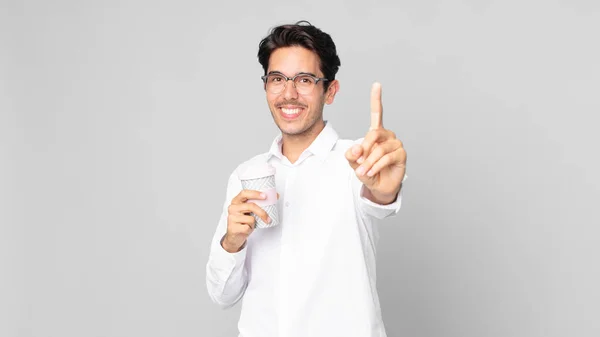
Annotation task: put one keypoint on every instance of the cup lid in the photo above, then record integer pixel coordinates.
(257, 171)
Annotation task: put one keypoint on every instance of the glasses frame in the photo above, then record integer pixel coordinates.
(293, 79)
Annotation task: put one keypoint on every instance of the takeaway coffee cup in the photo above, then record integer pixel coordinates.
(261, 177)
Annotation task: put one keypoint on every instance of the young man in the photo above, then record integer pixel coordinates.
(313, 275)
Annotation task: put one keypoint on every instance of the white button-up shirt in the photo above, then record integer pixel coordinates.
(313, 275)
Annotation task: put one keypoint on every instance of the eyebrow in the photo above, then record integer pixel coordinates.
(300, 73)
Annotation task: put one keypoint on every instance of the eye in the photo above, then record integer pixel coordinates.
(306, 80)
(275, 78)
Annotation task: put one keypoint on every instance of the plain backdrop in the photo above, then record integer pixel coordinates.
(120, 122)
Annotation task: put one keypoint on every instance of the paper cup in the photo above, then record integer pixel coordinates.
(262, 178)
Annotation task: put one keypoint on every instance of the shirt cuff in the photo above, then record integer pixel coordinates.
(377, 210)
(228, 262)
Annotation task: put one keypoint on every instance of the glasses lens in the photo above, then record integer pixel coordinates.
(305, 84)
(275, 83)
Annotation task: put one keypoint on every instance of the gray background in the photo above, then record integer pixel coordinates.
(121, 121)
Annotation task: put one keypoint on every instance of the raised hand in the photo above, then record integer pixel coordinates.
(380, 161)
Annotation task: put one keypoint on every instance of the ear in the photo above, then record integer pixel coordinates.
(333, 89)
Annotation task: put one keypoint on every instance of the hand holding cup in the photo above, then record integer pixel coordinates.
(240, 221)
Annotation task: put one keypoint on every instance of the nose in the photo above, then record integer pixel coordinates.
(290, 91)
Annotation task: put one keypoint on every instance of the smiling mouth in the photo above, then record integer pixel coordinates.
(290, 111)
(293, 111)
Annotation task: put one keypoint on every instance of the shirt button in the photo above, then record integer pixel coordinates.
(287, 204)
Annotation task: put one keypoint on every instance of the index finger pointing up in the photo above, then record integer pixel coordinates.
(376, 107)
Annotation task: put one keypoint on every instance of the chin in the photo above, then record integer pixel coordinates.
(296, 129)
(288, 129)
(292, 131)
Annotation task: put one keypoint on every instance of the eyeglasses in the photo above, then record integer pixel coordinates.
(275, 83)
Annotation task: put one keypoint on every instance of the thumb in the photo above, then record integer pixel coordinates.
(352, 155)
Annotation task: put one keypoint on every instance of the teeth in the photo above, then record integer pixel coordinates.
(290, 111)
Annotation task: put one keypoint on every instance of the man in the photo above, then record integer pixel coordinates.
(313, 274)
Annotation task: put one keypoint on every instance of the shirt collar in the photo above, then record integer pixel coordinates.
(320, 147)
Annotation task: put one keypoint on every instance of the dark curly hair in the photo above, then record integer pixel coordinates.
(302, 34)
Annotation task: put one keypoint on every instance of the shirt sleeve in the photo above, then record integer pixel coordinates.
(226, 276)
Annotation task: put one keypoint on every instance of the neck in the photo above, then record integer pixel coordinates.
(294, 145)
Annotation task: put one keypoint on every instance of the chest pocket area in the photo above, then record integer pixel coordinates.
(328, 199)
